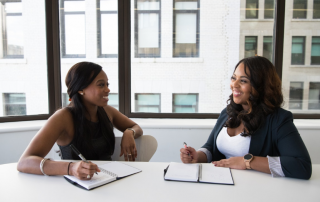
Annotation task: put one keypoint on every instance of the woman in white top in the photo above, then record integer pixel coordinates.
(253, 131)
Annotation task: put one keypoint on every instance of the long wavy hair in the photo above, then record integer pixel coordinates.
(266, 96)
(78, 78)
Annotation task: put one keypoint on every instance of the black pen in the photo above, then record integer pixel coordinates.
(79, 154)
(185, 146)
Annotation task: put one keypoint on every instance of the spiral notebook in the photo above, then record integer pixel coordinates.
(110, 172)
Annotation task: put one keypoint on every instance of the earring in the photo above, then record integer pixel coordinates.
(81, 93)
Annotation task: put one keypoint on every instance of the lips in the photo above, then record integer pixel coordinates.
(236, 93)
(105, 97)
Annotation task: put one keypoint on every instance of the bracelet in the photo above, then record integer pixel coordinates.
(68, 167)
(134, 132)
(41, 165)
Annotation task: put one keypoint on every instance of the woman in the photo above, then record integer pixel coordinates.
(87, 123)
(254, 132)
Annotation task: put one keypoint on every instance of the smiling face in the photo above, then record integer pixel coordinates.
(97, 92)
(240, 86)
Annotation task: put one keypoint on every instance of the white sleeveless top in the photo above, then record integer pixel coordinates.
(232, 146)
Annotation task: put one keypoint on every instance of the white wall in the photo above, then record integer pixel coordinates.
(170, 134)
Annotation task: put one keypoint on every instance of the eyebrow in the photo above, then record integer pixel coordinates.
(242, 76)
(101, 80)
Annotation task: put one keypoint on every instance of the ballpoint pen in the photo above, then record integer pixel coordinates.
(79, 154)
(185, 146)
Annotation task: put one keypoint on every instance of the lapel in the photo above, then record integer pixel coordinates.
(258, 139)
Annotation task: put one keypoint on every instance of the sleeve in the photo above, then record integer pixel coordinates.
(207, 153)
(275, 166)
(294, 156)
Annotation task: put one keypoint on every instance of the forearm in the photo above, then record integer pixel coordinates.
(260, 164)
(31, 164)
(202, 157)
(138, 131)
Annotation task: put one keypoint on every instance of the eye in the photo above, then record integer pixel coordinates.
(233, 78)
(108, 84)
(244, 81)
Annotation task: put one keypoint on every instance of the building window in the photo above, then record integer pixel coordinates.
(314, 95)
(268, 9)
(147, 28)
(185, 103)
(298, 50)
(250, 46)
(315, 50)
(186, 32)
(114, 100)
(72, 25)
(12, 29)
(148, 102)
(14, 104)
(252, 9)
(267, 47)
(316, 9)
(65, 99)
(296, 95)
(299, 9)
(107, 25)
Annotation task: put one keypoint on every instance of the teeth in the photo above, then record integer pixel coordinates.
(105, 97)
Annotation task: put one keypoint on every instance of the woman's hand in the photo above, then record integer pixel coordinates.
(128, 146)
(188, 155)
(233, 162)
(81, 170)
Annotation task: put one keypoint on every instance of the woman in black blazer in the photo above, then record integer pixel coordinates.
(253, 131)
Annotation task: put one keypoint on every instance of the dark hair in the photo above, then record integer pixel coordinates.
(265, 97)
(78, 78)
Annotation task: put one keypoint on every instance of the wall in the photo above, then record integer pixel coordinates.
(170, 134)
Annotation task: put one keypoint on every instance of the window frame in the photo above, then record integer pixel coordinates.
(124, 62)
(63, 33)
(136, 31)
(175, 12)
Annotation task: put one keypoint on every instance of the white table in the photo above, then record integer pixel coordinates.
(150, 186)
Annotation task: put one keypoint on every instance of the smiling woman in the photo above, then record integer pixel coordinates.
(87, 123)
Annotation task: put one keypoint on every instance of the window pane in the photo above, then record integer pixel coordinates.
(89, 32)
(148, 30)
(147, 103)
(316, 9)
(185, 103)
(297, 50)
(315, 51)
(314, 95)
(252, 7)
(267, 47)
(268, 9)
(250, 46)
(148, 4)
(299, 9)
(23, 57)
(296, 95)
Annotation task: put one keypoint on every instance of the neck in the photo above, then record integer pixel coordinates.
(92, 112)
(245, 107)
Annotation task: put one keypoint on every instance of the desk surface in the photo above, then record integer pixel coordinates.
(150, 186)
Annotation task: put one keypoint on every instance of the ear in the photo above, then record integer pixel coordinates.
(81, 92)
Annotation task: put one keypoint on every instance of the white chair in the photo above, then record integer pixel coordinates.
(146, 147)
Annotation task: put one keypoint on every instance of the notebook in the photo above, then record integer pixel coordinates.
(110, 172)
(205, 173)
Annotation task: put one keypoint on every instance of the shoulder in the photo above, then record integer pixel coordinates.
(223, 114)
(61, 117)
(111, 112)
(280, 116)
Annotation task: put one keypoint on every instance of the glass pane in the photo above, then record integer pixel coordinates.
(268, 9)
(201, 42)
(185, 99)
(148, 4)
(316, 9)
(23, 57)
(90, 33)
(301, 61)
(252, 8)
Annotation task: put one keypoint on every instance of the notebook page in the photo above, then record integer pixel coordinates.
(121, 169)
(95, 181)
(182, 172)
(212, 174)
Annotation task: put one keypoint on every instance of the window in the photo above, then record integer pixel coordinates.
(268, 9)
(316, 9)
(185, 103)
(13, 35)
(300, 9)
(186, 20)
(147, 28)
(315, 50)
(314, 95)
(114, 100)
(107, 25)
(267, 47)
(65, 99)
(250, 46)
(14, 104)
(297, 50)
(296, 95)
(72, 25)
(148, 102)
(252, 7)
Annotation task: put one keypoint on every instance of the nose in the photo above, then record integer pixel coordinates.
(235, 83)
(107, 89)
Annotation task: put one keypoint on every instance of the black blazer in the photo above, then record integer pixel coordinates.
(278, 136)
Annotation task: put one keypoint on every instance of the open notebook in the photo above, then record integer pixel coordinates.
(110, 171)
(205, 172)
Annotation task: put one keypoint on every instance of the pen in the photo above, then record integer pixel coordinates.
(185, 146)
(79, 154)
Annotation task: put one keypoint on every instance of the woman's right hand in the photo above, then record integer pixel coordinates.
(82, 169)
(188, 155)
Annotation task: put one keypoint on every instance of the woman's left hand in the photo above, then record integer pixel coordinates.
(128, 146)
(233, 162)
